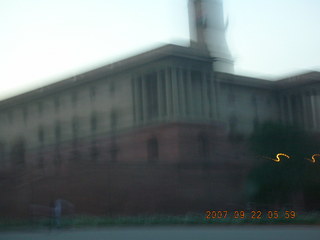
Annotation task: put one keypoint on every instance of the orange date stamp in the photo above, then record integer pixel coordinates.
(255, 214)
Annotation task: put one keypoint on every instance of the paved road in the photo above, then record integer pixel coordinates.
(176, 233)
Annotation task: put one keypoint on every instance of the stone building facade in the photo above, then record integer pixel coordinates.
(94, 115)
(165, 108)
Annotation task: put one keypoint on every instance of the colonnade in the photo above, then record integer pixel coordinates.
(175, 95)
(301, 108)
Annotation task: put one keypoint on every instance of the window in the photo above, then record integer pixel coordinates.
(56, 104)
(18, 152)
(74, 98)
(2, 117)
(285, 108)
(233, 123)
(268, 100)
(203, 147)
(152, 149)
(93, 122)
(75, 151)
(234, 135)
(112, 87)
(57, 131)
(255, 109)
(113, 151)
(255, 122)
(75, 126)
(40, 161)
(92, 93)
(10, 116)
(254, 100)
(113, 120)
(94, 151)
(25, 114)
(41, 135)
(231, 98)
(2, 152)
(57, 156)
(40, 108)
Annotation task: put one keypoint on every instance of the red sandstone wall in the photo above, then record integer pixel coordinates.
(178, 182)
(128, 190)
(177, 143)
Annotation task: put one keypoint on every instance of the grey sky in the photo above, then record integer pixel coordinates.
(43, 41)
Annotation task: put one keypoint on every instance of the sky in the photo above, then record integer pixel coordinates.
(44, 41)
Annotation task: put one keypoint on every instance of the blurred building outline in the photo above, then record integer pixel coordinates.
(138, 109)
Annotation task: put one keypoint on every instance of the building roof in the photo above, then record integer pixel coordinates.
(169, 50)
(298, 80)
(284, 83)
(110, 69)
(245, 81)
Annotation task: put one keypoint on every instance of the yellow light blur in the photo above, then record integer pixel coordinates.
(313, 158)
(278, 157)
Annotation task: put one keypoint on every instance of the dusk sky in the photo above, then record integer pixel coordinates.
(43, 41)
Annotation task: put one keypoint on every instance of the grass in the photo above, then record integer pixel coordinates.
(191, 219)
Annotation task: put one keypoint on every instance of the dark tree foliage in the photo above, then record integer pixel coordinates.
(280, 182)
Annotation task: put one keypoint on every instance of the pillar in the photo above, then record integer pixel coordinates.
(205, 97)
(289, 110)
(182, 92)
(168, 92)
(160, 95)
(144, 99)
(190, 95)
(175, 93)
(313, 109)
(305, 111)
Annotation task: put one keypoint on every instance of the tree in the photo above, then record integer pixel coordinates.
(278, 181)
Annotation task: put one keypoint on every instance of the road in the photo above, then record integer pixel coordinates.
(175, 232)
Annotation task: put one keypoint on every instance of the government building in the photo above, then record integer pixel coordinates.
(160, 105)
(172, 105)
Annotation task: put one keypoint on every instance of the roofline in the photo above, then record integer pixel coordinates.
(109, 69)
(244, 80)
(298, 80)
(282, 84)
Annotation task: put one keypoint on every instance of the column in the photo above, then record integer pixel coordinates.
(281, 110)
(286, 109)
(189, 92)
(309, 110)
(144, 99)
(175, 93)
(289, 109)
(160, 95)
(139, 99)
(168, 92)
(317, 105)
(182, 92)
(215, 96)
(299, 109)
(313, 109)
(134, 99)
(205, 98)
(209, 95)
(305, 111)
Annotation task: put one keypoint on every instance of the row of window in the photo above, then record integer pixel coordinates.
(40, 107)
(94, 151)
(18, 152)
(76, 127)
